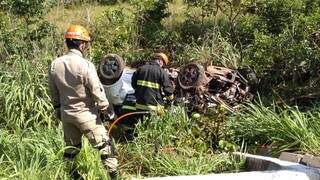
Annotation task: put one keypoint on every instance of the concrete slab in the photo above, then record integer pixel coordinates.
(265, 168)
(310, 160)
(292, 157)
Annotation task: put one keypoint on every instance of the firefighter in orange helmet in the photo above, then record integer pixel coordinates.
(78, 97)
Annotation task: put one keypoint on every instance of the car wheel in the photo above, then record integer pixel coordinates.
(191, 76)
(110, 68)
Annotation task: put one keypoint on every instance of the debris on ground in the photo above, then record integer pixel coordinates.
(197, 87)
(203, 88)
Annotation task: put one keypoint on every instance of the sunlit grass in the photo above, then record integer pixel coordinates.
(24, 97)
(166, 146)
(38, 153)
(177, 16)
(285, 129)
(31, 155)
(84, 14)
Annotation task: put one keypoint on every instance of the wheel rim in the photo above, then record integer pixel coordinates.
(190, 75)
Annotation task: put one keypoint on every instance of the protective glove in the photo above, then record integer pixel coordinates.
(168, 103)
(107, 114)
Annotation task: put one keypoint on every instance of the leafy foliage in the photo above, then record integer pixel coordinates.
(24, 36)
(279, 46)
(149, 16)
(114, 33)
(26, 9)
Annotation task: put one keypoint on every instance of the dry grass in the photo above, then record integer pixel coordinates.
(84, 14)
(177, 10)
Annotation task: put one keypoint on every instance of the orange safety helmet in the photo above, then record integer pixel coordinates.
(162, 56)
(77, 32)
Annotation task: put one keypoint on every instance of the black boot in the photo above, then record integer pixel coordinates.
(75, 175)
(113, 175)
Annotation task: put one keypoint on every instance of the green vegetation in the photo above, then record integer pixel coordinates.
(25, 98)
(167, 146)
(283, 129)
(277, 39)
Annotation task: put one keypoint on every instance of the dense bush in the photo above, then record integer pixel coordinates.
(276, 36)
(27, 9)
(272, 37)
(148, 17)
(114, 32)
(128, 32)
(24, 32)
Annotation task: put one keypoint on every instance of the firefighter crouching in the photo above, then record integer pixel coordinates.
(150, 82)
(78, 96)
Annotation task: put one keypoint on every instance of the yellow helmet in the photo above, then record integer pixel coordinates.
(77, 32)
(162, 56)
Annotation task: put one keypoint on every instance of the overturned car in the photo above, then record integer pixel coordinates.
(196, 87)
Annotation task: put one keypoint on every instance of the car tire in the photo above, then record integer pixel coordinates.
(110, 68)
(191, 76)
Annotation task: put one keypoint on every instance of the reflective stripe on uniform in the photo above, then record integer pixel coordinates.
(158, 108)
(148, 84)
(170, 97)
(129, 107)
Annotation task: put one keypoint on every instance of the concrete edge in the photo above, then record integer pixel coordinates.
(280, 170)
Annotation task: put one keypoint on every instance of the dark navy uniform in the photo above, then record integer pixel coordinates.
(150, 83)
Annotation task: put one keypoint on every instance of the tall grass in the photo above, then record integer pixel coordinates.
(214, 49)
(24, 97)
(31, 155)
(165, 149)
(38, 154)
(166, 146)
(31, 145)
(285, 129)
